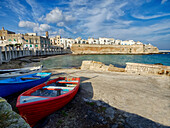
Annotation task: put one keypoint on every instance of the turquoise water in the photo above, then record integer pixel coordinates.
(69, 61)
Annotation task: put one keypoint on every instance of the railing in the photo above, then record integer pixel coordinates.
(9, 53)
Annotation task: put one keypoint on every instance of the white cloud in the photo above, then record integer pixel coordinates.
(28, 24)
(61, 31)
(54, 16)
(150, 17)
(60, 24)
(35, 26)
(42, 28)
(163, 1)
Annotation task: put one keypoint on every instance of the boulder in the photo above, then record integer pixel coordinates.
(9, 118)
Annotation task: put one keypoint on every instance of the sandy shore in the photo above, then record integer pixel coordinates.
(147, 96)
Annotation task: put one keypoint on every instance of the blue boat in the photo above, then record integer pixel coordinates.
(21, 83)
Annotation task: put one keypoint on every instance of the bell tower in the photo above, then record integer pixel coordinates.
(46, 34)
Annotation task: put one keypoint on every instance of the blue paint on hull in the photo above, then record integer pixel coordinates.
(16, 84)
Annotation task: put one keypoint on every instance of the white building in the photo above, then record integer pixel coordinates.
(128, 42)
(67, 42)
(108, 41)
(78, 40)
(93, 41)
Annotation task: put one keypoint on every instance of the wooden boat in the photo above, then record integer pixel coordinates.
(8, 73)
(20, 83)
(42, 100)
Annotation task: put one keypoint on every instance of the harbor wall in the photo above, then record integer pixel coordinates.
(99, 66)
(113, 49)
(136, 68)
(147, 69)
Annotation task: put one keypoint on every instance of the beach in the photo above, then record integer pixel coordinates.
(108, 99)
(145, 96)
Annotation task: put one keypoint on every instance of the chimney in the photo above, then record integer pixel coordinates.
(3, 28)
(46, 34)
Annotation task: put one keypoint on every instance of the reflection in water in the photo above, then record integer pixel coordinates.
(69, 61)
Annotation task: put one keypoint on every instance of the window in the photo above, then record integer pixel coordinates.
(26, 40)
(14, 40)
(30, 45)
(9, 40)
(36, 45)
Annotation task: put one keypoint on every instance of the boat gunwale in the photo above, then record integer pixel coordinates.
(24, 81)
(29, 92)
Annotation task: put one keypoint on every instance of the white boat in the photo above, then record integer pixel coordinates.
(8, 73)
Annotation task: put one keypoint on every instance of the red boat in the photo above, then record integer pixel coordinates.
(42, 100)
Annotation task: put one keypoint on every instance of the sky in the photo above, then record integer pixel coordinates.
(147, 21)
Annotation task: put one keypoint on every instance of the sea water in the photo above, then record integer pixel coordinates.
(69, 61)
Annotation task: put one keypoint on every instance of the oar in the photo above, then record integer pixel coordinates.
(29, 78)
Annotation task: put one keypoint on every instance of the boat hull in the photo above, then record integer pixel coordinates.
(19, 72)
(10, 88)
(35, 111)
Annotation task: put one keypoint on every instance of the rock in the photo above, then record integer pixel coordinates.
(115, 126)
(136, 121)
(25, 60)
(110, 113)
(36, 60)
(10, 119)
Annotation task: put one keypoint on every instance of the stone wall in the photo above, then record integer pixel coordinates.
(147, 69)
(99, 66)
(113, 49)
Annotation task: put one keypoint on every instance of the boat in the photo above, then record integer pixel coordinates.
(20, 83)
(8, 73)
(38, 102)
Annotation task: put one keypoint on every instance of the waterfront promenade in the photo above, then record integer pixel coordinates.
(9, 53)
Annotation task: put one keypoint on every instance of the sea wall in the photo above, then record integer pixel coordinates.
(9, 118)
(147, 69)
(99, 66)
(113, 49)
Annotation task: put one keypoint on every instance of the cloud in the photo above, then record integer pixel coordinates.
(163, 1)
(60, 24)
(35, 26)
(150, 17)
(28, 24)
(42, 28)
(54, 16)
(37, 10)
(19, 9)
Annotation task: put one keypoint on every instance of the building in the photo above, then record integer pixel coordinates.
(67, 42)
(55, 41)
(29, 40)
(128, 42)
(108, 41)
(78, 40)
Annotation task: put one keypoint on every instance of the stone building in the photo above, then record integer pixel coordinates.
(28, 40)
(55, 41)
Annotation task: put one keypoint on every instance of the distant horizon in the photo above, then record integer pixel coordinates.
(147, 21)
